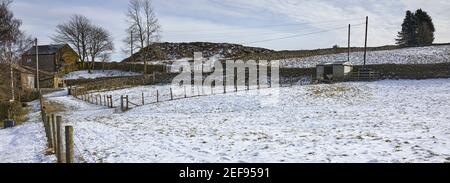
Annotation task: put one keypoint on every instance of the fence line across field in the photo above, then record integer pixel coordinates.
(59, 137)
(157, 96)
(62, 141)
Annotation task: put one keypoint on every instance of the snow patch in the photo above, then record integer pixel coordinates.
(419, 55)
(97, 74)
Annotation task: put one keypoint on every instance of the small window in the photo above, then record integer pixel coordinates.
(29, 60)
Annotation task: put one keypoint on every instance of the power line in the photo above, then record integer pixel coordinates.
(235, 35)
(240, 32)
(299, 35)
(261, 26)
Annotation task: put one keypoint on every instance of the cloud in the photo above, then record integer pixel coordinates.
(238, 21)
(41, 19)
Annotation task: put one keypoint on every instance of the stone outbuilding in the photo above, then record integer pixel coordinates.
(337, 71)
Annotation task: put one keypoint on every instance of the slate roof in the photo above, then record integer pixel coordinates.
(46, 49)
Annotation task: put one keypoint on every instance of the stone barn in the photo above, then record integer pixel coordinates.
(52, 58)
(337, 71)
(27, 78)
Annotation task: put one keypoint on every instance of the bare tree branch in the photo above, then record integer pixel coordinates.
(75, 33)
(100, 44)
(13, 41)
(89, 40)
(143, 29)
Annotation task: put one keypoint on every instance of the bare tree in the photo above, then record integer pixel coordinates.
(75, 33)
(143, 29)
(152, 27)
(129, 40)
(87, 39)
(103, 58)
(13, 41)
(100, 44)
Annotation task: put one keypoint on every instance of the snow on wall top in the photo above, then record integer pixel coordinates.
(97, 74)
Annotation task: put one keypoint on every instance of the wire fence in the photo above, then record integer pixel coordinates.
(166, 93)
(59, 135)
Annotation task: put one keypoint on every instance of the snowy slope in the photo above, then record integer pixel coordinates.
(420, 55)
(97, 74)
(384, 121)
(25, 143)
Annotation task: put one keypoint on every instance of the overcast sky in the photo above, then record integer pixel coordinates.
(304, 24)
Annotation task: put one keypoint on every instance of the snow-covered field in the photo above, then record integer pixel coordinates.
(25, 143)
(420, 55)
(97, 74)
(384, 121)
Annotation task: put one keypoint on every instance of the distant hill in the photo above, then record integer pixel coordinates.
(174, 51)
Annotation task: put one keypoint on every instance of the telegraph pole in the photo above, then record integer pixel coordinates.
(131, 43)
(12, 74)
(365, 42)
(37, 63)
(348, 54)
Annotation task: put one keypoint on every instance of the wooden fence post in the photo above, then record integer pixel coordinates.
(43, 117)
(171, 94)
(53, 122)
(121, 103)
(111, 98)
(49, 132)
(69, 144)
(58, 139)
(157, 96)
(104, 99)
(127, 103)
(185, 95)
(143, 100)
